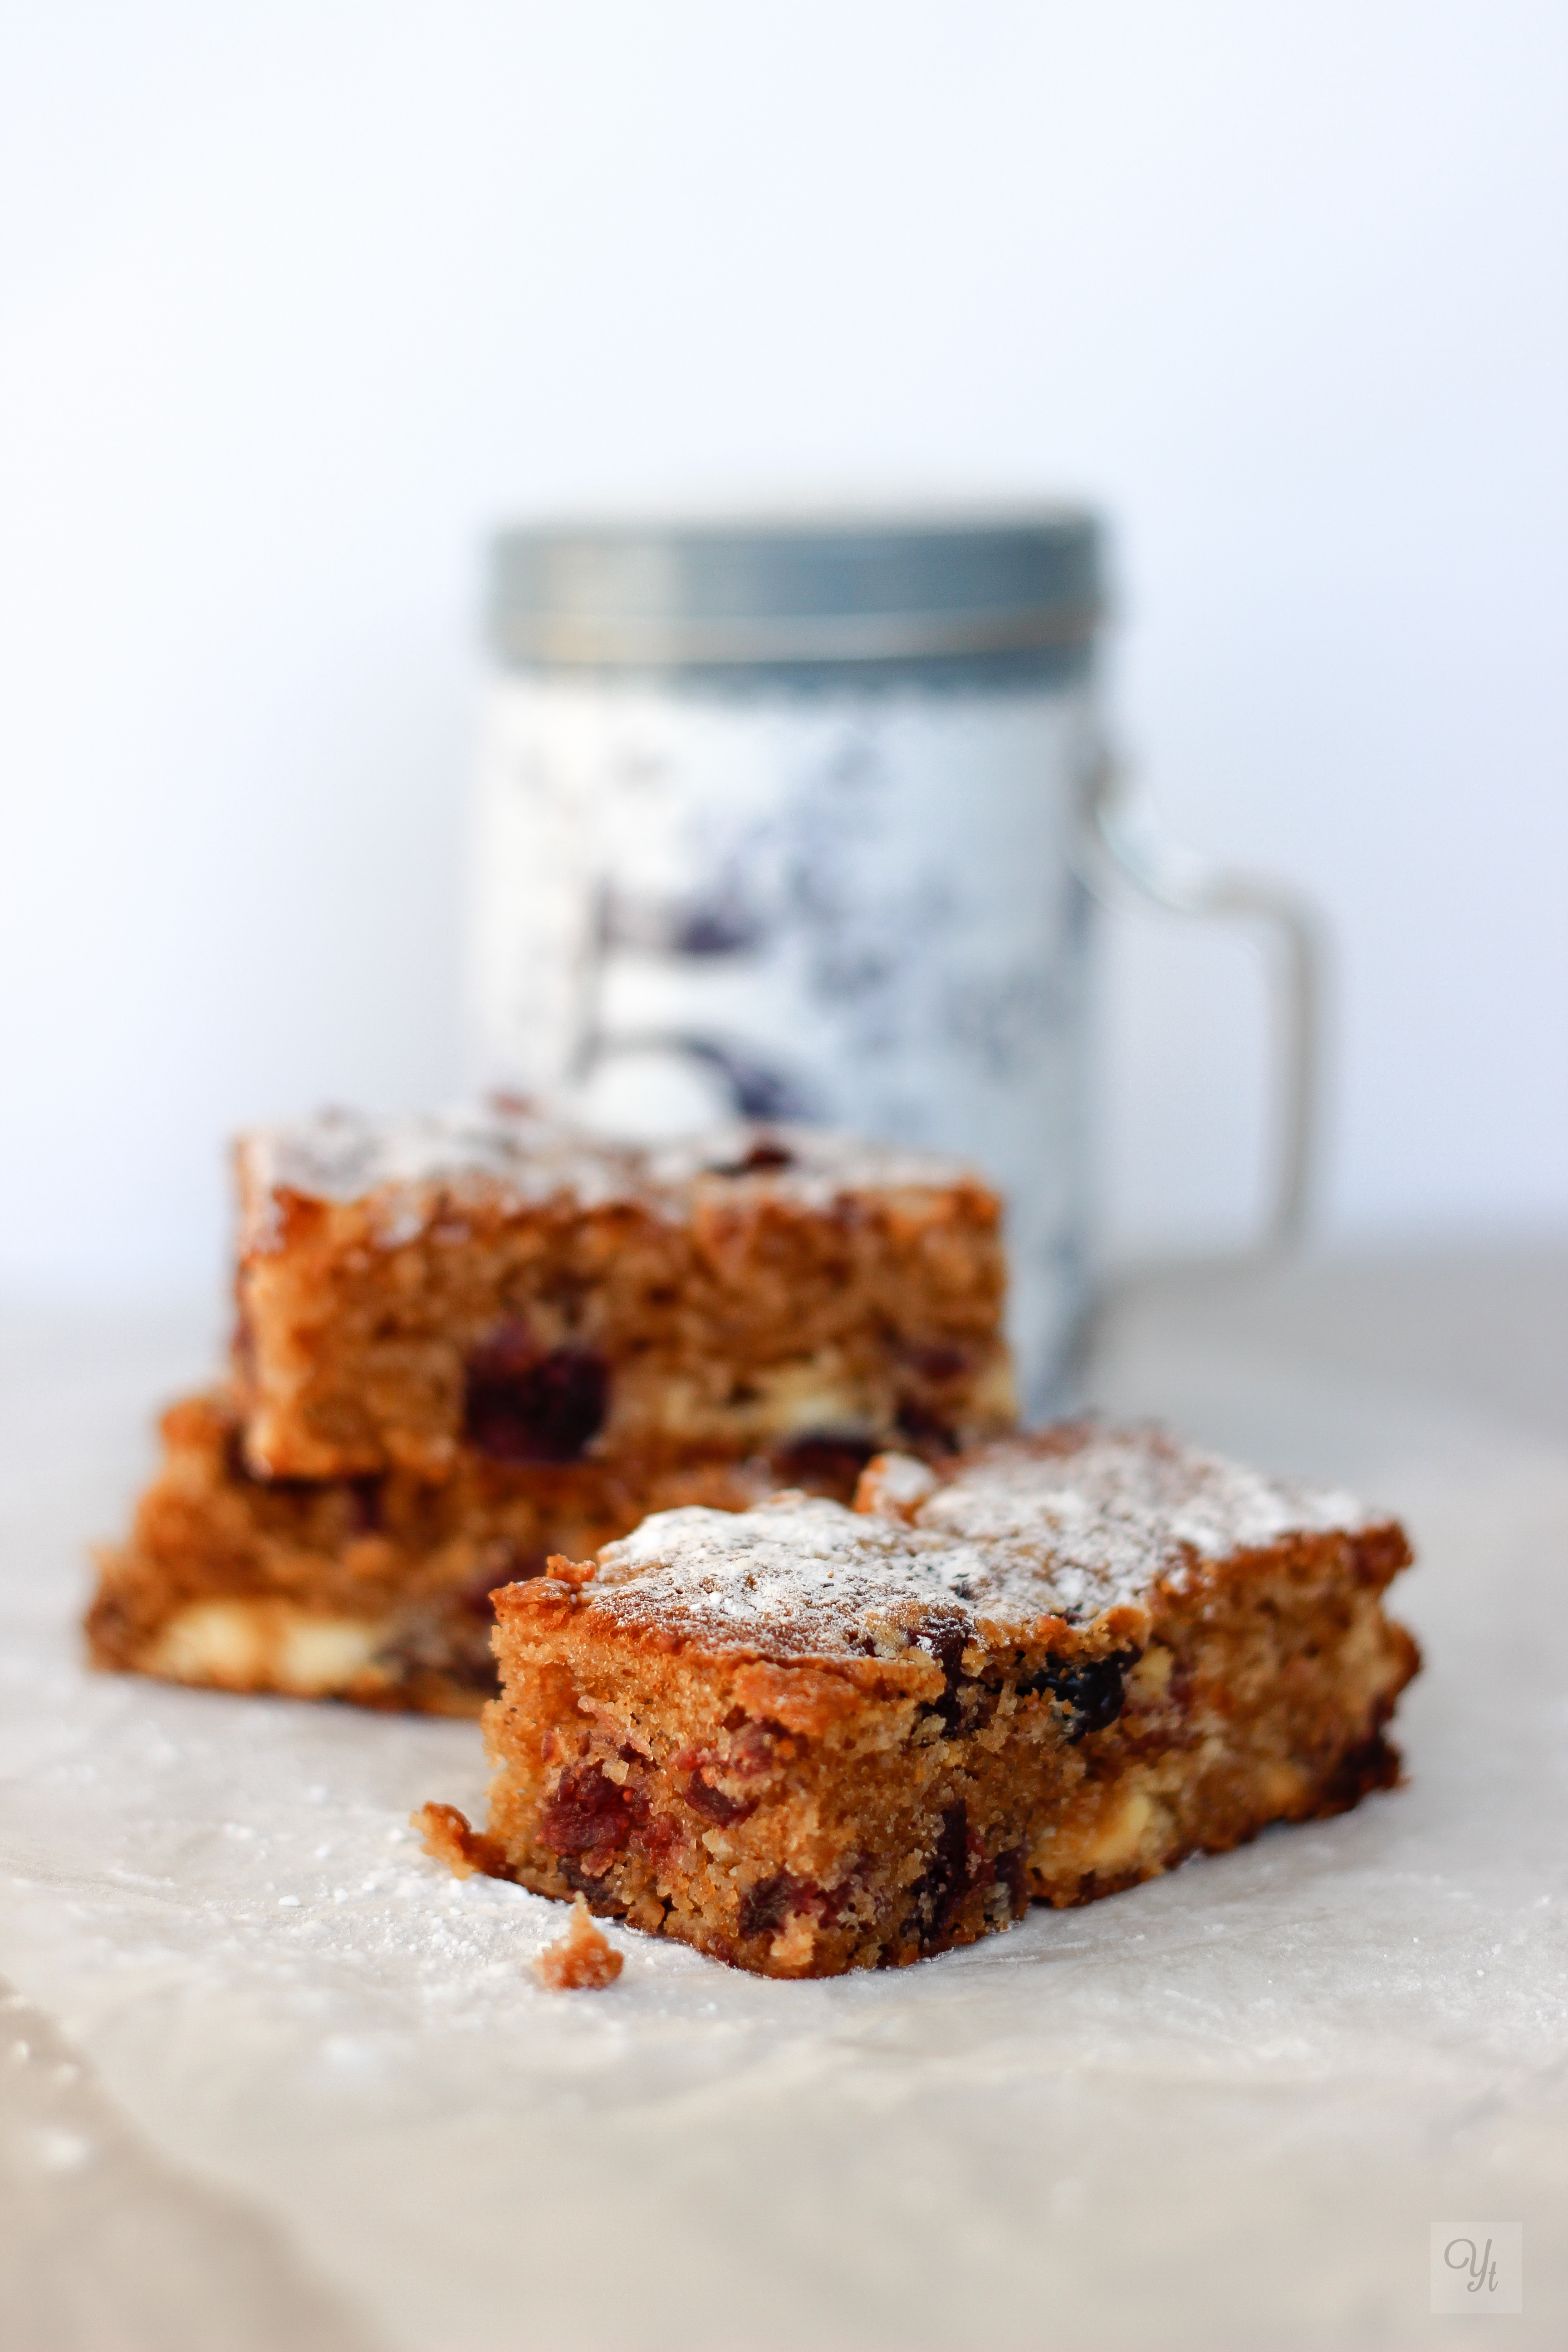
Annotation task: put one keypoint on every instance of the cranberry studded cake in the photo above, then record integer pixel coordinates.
(466, 1342)
(806, 1738)
(543, 1295)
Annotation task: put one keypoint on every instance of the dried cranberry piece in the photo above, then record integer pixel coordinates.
(768, 1905)
(364, 1504)
(936, 1892)
(602, 1898)
(654, 1836)
(523, 1404)
(946, 1638)
(714, 1805)
(588, 1812)
(1094, 1689)
(758, 1749)
(825, 1462)
(1010, 1873)
(925, 1431)
(767, 1153)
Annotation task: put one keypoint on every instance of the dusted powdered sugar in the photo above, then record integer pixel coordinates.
(1067, 1526)
(813, 1165)
(405, 1166)
(1098, 1517)
(798, 1575)
(516, 1155)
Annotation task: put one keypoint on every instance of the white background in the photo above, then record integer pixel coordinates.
(300, 298)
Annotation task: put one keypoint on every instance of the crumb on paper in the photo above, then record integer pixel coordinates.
(582, 1960)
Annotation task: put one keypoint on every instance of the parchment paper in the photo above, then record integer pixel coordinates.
(287, 2082)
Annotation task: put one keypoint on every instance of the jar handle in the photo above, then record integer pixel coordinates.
(1125, 838)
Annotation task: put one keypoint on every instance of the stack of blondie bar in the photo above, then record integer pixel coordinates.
(806, 1658)
(464, 1343)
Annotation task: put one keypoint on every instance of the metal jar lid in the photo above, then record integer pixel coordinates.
(848, 588)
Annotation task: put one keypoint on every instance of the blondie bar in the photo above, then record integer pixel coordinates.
(466, 1342)
(806, 1738)
(495, 1281)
